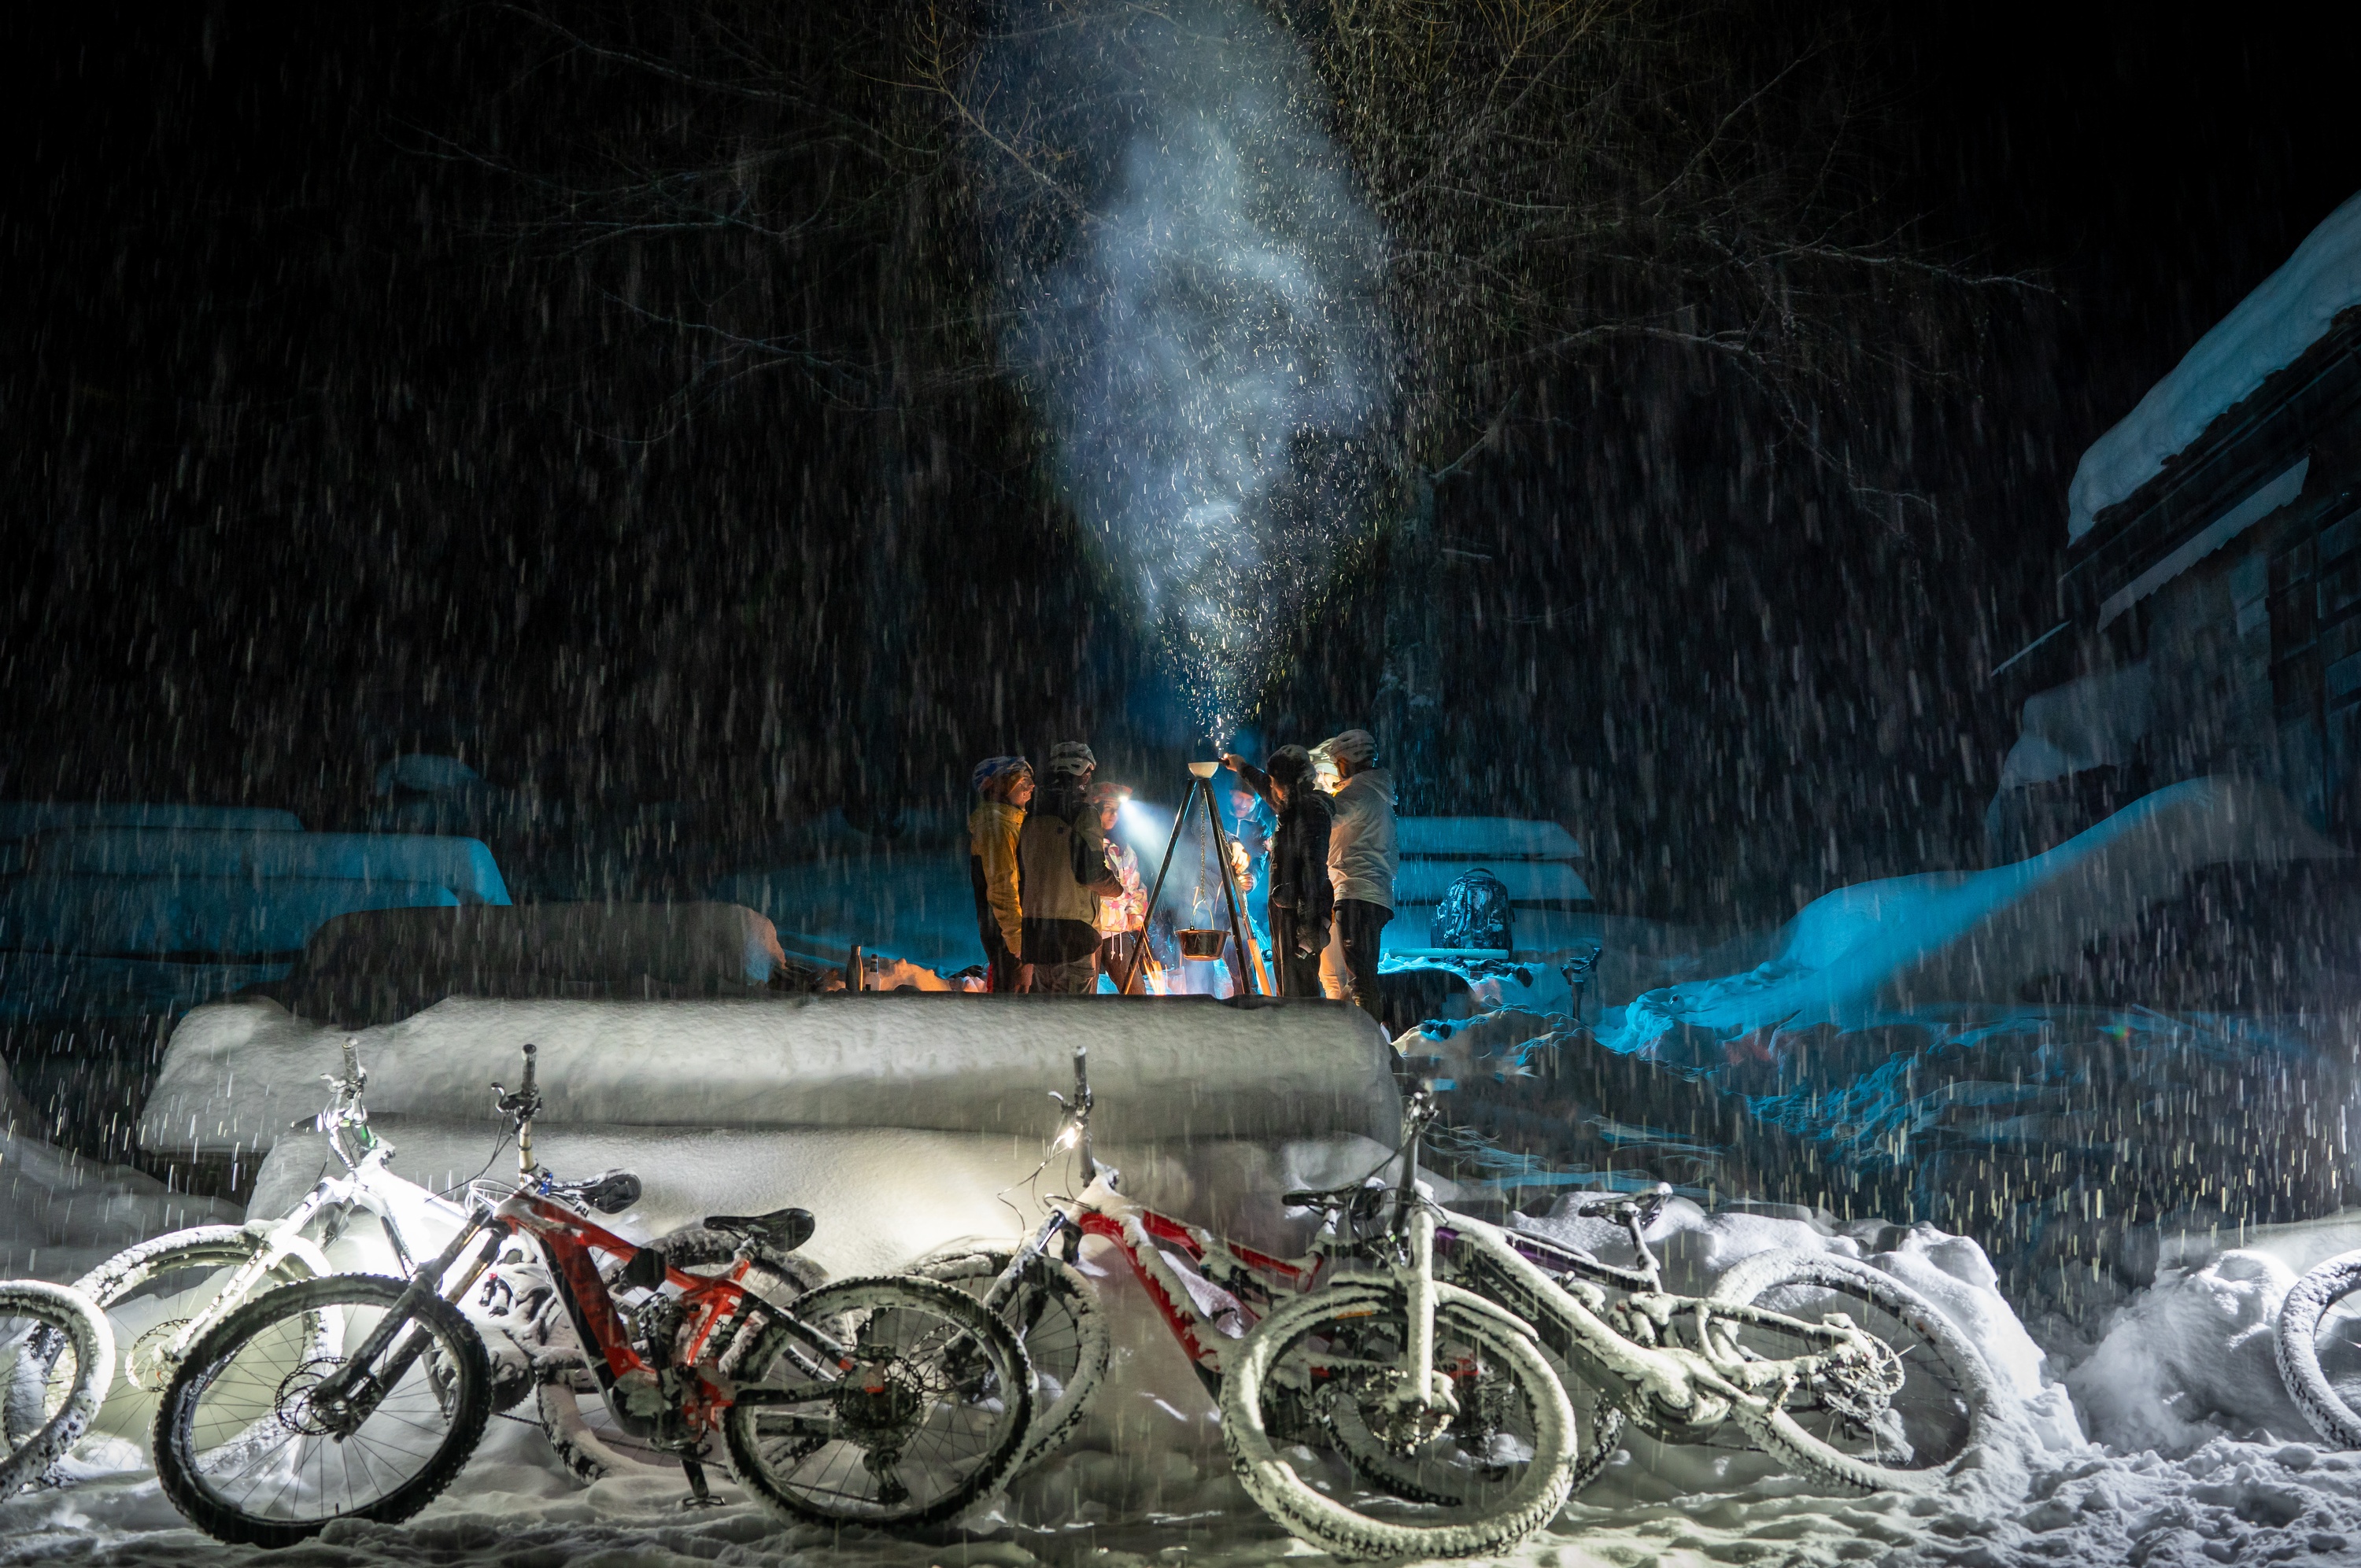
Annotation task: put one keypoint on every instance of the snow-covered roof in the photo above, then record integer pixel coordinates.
(2268, 330)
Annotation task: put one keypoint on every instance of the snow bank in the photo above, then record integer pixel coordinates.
(462, 865)
(2270, 329)
(383, 966)
(1870, 953)
(122, 915)
(2193, 1359)
(59, 1214)
(882, 1196)
(2190, 1359)
(1164, 1068)
(23, 819)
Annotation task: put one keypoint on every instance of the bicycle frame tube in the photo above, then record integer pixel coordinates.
(1144, 1235)
(277, 1244)
(569, 1240)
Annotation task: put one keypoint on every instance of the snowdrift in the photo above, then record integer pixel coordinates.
(381, 967)
(1164, 1068)
(241, 889)
(882, 1196)
(1871, 953)
(159, 915)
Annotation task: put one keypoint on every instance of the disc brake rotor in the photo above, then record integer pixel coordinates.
(293, 1405)
(149, 1365)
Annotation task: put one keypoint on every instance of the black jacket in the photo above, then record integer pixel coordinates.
(1299, 851)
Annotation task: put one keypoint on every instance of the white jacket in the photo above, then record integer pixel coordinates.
(1362, 853)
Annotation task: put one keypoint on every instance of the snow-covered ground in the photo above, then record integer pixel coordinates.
(2198, 1458)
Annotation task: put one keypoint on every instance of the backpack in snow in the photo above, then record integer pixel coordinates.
(1475, 912)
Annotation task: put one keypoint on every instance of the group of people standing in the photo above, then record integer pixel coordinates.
(1059, 898)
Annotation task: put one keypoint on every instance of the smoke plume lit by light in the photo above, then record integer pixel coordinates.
(1192, 282)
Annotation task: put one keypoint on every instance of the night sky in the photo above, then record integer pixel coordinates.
(319, 453)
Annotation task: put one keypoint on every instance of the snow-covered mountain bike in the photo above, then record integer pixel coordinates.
(1430, 1416)
(2319, 1348)
(165, 1294)
(1873, 1390)
(59, 1341)
(878, 1401)
(1840, 1370)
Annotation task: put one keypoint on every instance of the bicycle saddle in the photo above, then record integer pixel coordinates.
(783, 1229)
(1643, 1206)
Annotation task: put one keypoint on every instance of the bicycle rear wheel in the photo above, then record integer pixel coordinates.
(249, 1454)
(1900, 1423)
(150, 1292)
(927, 1412)
(1055, 1316)
(61, 1340)
(1328, 1368)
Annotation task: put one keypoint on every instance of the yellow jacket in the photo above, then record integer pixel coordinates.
(991, 831)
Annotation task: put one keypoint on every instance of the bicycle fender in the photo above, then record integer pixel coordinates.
(305, 1253)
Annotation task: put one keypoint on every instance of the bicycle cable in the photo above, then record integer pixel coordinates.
(463, 1186)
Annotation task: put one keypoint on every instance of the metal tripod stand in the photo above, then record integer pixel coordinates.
(1250, 965)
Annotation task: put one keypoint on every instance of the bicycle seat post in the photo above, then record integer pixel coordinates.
(522, 1107)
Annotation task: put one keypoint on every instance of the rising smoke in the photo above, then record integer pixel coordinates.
(1192, 278)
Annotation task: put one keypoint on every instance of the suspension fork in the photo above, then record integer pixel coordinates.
(356, 1374)
(1427, 1389)
(1012, 1279)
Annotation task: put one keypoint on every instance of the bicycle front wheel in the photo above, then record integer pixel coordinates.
(1329, 1372)
(925, 1411)
(1900, 1421)
(2322, 1314)
(58, 1340)
(255, 1454)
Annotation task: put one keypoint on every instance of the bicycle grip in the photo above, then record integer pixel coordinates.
(530, 1051)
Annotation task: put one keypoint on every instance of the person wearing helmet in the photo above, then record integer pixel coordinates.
(1123, 916)
(1062, 875)
(1302, 894)
(1362, 855)
(1003, 786)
